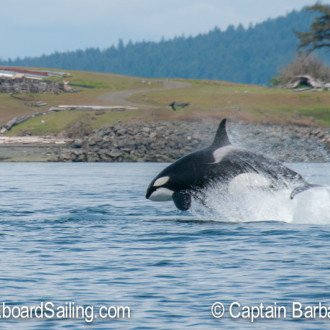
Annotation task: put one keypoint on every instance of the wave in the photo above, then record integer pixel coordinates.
(309, 207)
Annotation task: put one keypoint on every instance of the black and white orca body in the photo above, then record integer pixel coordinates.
(221, 163)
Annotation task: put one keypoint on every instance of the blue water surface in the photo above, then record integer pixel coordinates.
(84, 233)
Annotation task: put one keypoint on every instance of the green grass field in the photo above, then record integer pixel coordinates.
(208, 99)
(91, 86)
(247, 101)
(65, 122)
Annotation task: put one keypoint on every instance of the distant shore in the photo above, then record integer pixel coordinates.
(21, 152)
(165, 141)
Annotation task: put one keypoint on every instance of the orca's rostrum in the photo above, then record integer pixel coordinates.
(222, 163)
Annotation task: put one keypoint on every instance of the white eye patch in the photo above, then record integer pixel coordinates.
(161, 181)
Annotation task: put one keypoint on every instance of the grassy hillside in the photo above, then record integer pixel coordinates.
(251, 102)
(208, 99)
(91, 86)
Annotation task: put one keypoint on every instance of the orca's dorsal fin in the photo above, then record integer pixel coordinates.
(221, 138)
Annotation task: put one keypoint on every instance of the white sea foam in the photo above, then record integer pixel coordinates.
(309, 207)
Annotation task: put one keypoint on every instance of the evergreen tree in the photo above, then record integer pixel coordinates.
(319, 34)
(238, 54)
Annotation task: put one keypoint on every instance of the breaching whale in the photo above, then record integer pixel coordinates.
(223, 163)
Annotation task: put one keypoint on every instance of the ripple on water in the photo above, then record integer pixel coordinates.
(85, 233)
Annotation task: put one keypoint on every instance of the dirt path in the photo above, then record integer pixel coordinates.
(121, 96)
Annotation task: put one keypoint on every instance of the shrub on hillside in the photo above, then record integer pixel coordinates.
(303, 64)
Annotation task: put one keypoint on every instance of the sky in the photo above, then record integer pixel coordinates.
(36, 27)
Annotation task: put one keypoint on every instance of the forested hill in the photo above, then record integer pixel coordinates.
(251, 55)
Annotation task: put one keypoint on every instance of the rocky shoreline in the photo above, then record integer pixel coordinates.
(166, 141)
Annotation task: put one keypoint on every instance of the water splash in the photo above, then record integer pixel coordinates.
(309, 207)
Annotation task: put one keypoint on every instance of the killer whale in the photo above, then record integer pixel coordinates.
(221, 162)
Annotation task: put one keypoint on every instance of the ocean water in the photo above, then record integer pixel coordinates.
(83, 235)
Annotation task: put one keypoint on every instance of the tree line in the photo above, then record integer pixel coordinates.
(245, 55)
